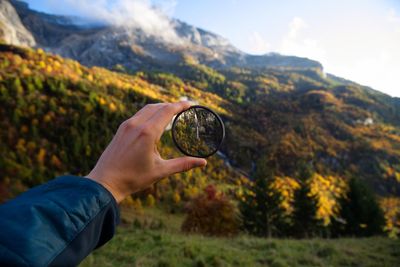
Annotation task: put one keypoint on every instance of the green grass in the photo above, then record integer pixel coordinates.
(153, 239)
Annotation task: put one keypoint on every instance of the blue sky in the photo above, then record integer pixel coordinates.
(356, 39)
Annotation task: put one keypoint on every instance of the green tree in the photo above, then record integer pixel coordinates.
(360, 212)
(260, 211)
(305, 224)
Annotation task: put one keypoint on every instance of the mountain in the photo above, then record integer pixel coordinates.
(11, 29)
(134, 48)
(279, 111)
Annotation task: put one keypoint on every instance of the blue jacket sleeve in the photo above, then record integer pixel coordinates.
(56, 224)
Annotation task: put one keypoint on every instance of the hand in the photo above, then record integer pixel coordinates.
(131, 161)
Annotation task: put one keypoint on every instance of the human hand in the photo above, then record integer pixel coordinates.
(131, 161)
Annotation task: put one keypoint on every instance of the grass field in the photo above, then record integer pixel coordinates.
(153, 239)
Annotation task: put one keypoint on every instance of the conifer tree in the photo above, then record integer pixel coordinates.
(261, 212)
(305, 224)
(360, 212)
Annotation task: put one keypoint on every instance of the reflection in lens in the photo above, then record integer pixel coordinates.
(198, 132)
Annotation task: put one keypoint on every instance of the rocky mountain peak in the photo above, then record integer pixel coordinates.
(12, 30)
(133, 45)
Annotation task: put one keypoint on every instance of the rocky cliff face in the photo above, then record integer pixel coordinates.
(133, 48)
(12, 31)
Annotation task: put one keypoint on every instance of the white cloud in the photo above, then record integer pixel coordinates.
(379, 70)
(373, 58)
(366, 56)
(295, 42)
(394, 19)
(392, 16)
(127, 13)
(295, 26)
(167, 6)
(257, 44)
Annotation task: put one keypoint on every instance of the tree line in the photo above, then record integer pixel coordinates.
(358, 212)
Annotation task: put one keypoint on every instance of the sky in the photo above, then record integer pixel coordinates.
(355, 39)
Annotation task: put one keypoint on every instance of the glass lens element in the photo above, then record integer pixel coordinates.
(198, 132)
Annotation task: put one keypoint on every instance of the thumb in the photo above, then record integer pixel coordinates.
(182, 164)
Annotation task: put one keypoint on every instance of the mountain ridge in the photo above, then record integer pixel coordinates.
(118, 43)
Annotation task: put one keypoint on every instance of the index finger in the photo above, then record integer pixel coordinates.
(160, 120)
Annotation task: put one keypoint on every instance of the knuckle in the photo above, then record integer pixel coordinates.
(169, 108)
(128, 125)
(146, 131)
(154, 105)
(148, 106)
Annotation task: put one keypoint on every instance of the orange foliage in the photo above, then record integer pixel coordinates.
(391, 209)
(286, 186)
(327, 190)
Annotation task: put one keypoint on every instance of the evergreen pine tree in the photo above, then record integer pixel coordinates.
(305, 224)
(360, 211)
(261, 211)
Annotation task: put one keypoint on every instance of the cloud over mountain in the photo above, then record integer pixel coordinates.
(141, 14)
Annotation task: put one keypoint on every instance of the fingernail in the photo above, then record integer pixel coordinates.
(186, 103)
(202, 163)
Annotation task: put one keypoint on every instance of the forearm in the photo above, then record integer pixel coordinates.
(58, 223)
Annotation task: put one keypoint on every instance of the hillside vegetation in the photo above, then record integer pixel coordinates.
(59, 116)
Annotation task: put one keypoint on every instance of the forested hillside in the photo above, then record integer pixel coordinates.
(308, 173)
(59, 115)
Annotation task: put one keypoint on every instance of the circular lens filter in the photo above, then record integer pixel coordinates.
(198, 132)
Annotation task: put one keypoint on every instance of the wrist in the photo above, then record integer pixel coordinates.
(117, 194)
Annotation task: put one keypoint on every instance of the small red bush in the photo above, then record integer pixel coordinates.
(211, 213)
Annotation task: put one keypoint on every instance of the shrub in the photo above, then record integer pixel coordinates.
(211, 213)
